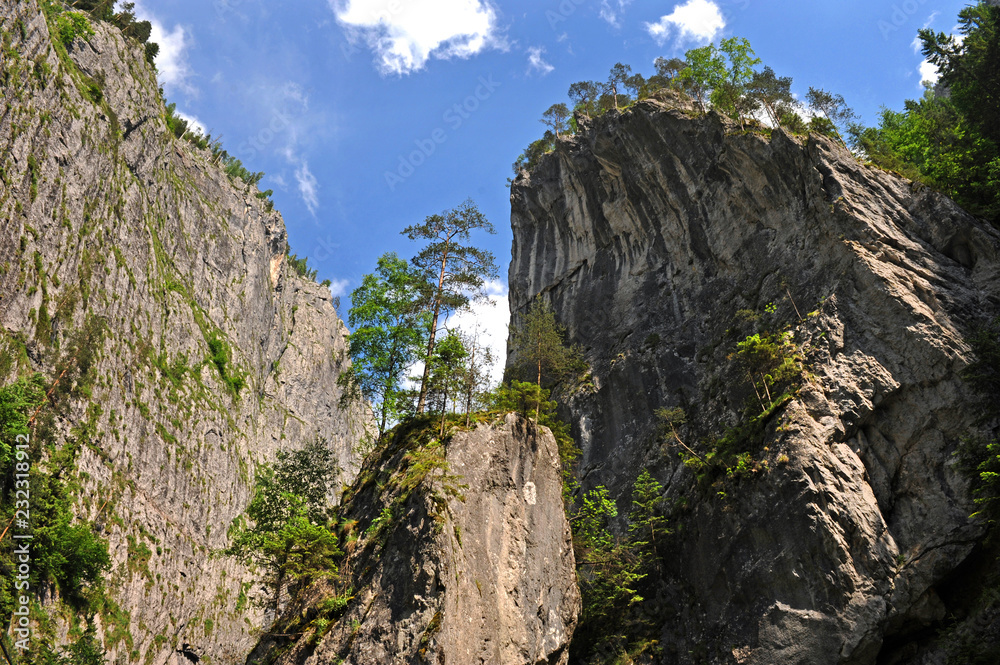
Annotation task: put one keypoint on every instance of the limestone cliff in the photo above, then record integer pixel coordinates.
(178, 275)
(457, 551)
(662, 239)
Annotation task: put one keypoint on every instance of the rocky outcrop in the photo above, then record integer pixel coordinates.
(109, 224)
(662, 239)
(457, 552)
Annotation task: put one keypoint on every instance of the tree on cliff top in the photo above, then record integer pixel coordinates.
(390, 331)
(455, 273)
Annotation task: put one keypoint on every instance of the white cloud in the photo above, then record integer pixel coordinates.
(490, 319)
(404, 34)
(928, 72)
(172, 68)
(307, 186)
(612, 13)
(536, 63)
(695, 21)
(338, 287)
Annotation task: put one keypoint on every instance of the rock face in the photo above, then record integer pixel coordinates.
(109, 224)
(460, 553)
(661, 240)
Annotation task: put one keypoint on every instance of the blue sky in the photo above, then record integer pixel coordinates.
(369, 115)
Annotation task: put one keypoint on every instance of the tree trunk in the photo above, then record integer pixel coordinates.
(470, 384)
(421, 401)
(538, 401)
(444, 410)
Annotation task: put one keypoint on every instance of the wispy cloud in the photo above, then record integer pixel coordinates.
(698, 21)
(611, 11)
(308, 187)
(536, 61)
(173, 70)
(405, 34)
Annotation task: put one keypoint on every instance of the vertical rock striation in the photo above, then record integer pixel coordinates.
(110, 225)
(661, 240)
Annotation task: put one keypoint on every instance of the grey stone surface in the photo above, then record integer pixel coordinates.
(486, 575)
(649, 232)
(142, 231)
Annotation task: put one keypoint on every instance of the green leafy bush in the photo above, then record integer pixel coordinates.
(70, 25)
(612, 571)
(221, 357)
(290, 533)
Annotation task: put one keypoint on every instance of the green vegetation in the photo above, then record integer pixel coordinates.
(291, 534)
(771, 366)
(390, 332)
(301, 267)
(542, 362)
(70, 25)
(453, 274)
(539, 349)
(949, 139)
(221, 357)
(123, 19)
(69, 557)
(397, 313)
(614, 573)
(979, 454)
(233, 167)
(723, 78)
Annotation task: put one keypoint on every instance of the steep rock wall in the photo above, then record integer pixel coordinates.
(106, 219)
(458, 551)
(661, 240)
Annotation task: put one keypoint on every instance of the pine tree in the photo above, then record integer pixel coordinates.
(555, 118)
(538, 347)
(456, 274)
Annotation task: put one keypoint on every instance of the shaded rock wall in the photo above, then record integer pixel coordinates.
(105, 217)
(661, 240)
(463, 555)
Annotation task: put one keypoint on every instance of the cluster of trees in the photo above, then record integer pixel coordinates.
(398, 312)
(615, 573)
(723, 77)
(979, 455)
(950, 138)
(291, 533)
(124, 19)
